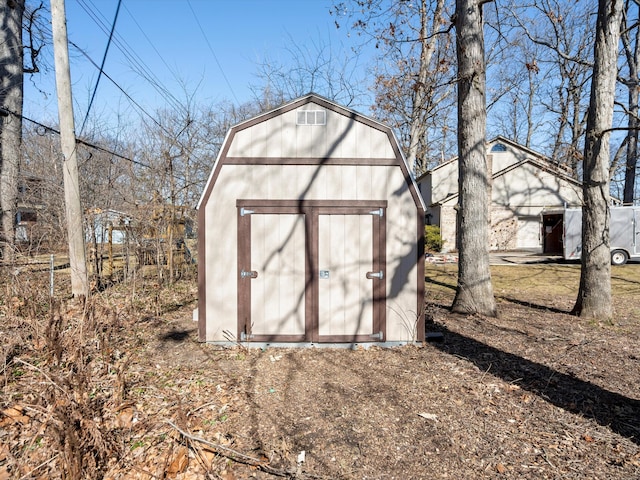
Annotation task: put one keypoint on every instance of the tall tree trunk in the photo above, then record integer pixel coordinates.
(418, 127)
(632, 148)
(594, 296)
(474, 293)
(11, 91)
(632, 53)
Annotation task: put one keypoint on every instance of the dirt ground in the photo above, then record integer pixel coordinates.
(122, 389)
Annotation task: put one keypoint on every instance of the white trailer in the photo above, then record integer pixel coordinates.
(624, 234)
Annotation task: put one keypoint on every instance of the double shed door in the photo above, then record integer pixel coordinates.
(311, 271)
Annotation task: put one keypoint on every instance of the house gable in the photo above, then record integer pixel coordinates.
(440, 185)
(524, 184)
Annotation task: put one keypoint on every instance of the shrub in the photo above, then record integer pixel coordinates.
(432, 238)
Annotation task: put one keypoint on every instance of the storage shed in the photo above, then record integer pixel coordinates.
(310, 230)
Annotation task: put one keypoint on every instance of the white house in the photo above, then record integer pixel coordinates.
(528, 192)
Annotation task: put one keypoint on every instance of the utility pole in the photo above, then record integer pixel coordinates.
(75, 232)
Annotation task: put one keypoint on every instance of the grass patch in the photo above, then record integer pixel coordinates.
(539, 282)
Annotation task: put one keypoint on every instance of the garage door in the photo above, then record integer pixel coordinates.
(528, 236)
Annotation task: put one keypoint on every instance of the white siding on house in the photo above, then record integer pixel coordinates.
(523, 186)
(502, 160)
(527, 189)
(528, 235)
(444, 182)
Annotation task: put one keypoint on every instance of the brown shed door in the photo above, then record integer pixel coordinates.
(311, 274)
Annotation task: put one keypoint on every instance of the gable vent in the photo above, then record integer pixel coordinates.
(499, 147)
(312, 117)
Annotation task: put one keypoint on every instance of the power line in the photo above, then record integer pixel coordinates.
(134, 60)
(6, 111)
(136, 63)
(152, 44)
(129, 97)
(212, 52)
(104, 59)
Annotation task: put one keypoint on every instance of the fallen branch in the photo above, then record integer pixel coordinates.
(44, 375)
(47, 462)
(232, 454)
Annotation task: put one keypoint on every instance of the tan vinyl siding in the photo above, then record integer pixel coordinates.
(402, 312)
(220, 248)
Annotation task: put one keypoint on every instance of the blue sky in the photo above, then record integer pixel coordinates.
(215, 55)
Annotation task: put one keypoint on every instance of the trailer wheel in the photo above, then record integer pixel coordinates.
(619, 257)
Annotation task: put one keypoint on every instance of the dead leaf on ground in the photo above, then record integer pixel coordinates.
(208, 456)
(14, 414)
(179, 463)
(125, 417)
(4, 452)
(501, 468)
(17, 302)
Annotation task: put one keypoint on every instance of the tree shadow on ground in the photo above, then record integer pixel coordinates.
(177, 335)
(535, 306)
(621, 414)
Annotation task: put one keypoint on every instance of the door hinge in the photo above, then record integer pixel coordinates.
(249, 274)
(379, 275)
(379, 212)
(245, 211)
(245, 338)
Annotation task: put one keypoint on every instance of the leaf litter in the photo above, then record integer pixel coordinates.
(110, 390)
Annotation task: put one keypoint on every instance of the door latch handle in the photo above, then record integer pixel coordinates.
(249, 274)
(379, 275)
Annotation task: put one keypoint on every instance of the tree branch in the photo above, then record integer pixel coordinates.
(232, 454)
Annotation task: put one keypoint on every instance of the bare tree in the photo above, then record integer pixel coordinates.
(558, 27)
(413, 82)
(630, 37)
(316, 67)
(474, 293)
(177, 150)
(514, 83)
(11, 88)
(45, 230)
(594, 296)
